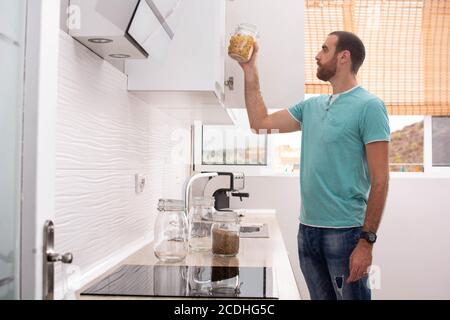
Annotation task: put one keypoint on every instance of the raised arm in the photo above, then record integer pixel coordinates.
(260, 121)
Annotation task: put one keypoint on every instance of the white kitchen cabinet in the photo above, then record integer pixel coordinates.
(194, 60)
(190, 74)
(280, 60)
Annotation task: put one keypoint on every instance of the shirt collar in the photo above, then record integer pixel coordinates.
(338, 94)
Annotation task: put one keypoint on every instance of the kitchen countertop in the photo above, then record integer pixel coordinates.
(253, 252)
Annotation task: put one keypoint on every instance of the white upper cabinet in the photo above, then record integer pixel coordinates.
(280, 59)
(189, 74)
(194, 60)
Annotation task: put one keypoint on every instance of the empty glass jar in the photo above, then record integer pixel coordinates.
(171, 231)
(242, 42)
(200, 223)
(225, 233)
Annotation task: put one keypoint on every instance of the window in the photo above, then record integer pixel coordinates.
(406, 150)
(441, 141)
(233, 145)
(284, 151)
(227, 146)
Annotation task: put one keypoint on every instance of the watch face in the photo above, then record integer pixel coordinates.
(369, 236)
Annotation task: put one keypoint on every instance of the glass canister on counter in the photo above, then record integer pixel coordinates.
(171, 231)
(225, 233)
(200, 223)
(242, 42)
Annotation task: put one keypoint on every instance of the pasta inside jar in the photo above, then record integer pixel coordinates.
(242, 43)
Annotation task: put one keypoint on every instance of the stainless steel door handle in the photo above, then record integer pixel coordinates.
(55, 257)
(50, 258)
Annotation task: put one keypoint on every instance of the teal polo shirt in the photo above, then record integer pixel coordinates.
(334, 175)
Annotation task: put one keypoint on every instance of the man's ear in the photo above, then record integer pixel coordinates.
(345, 56)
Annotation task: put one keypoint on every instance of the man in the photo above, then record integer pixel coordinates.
(344, 169)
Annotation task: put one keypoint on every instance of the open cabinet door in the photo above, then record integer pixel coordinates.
(38, 138)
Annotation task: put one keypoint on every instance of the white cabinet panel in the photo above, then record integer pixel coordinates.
(280, 60)
(167, 7)
(191, 62)
(172, 15)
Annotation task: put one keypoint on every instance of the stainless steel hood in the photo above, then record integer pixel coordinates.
(121, 29)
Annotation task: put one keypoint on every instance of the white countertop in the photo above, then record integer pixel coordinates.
(253, 252)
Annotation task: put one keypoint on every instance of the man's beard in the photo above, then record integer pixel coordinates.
(327, 71)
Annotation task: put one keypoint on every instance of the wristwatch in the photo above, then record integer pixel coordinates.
(370, 237)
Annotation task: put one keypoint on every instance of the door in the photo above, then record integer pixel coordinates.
(12, 42)
(29, 35)
(39, 131)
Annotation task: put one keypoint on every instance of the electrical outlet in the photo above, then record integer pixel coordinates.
(140, 181)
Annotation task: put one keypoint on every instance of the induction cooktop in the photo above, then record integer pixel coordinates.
(187, 281)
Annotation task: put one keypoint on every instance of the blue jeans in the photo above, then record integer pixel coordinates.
(324, 255)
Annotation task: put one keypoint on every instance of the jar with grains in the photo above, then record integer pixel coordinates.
(242, 42)
(225, 233)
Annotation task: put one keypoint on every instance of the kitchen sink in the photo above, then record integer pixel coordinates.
(254, 230)
(250, 229)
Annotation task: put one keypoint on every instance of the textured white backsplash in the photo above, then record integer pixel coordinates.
(105, 135)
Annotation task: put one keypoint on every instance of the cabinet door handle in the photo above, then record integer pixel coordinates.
(230, 83)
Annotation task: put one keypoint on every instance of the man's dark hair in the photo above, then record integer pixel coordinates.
(349, 41)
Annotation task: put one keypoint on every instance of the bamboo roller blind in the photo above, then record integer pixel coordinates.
(407, 50)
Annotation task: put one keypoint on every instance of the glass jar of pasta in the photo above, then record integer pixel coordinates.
(242, 42)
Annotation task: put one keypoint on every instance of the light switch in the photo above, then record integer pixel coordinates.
(140, 181)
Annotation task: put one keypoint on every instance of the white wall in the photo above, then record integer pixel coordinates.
(104, 136)
(412, 251)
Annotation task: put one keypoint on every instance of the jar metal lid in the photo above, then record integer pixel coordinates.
(170, 205)
(248, 27)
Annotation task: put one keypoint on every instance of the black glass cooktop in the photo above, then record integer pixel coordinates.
(187, 281)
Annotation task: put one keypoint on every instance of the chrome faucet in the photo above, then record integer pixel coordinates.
(189, 185)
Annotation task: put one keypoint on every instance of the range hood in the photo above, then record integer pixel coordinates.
(125, 29)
